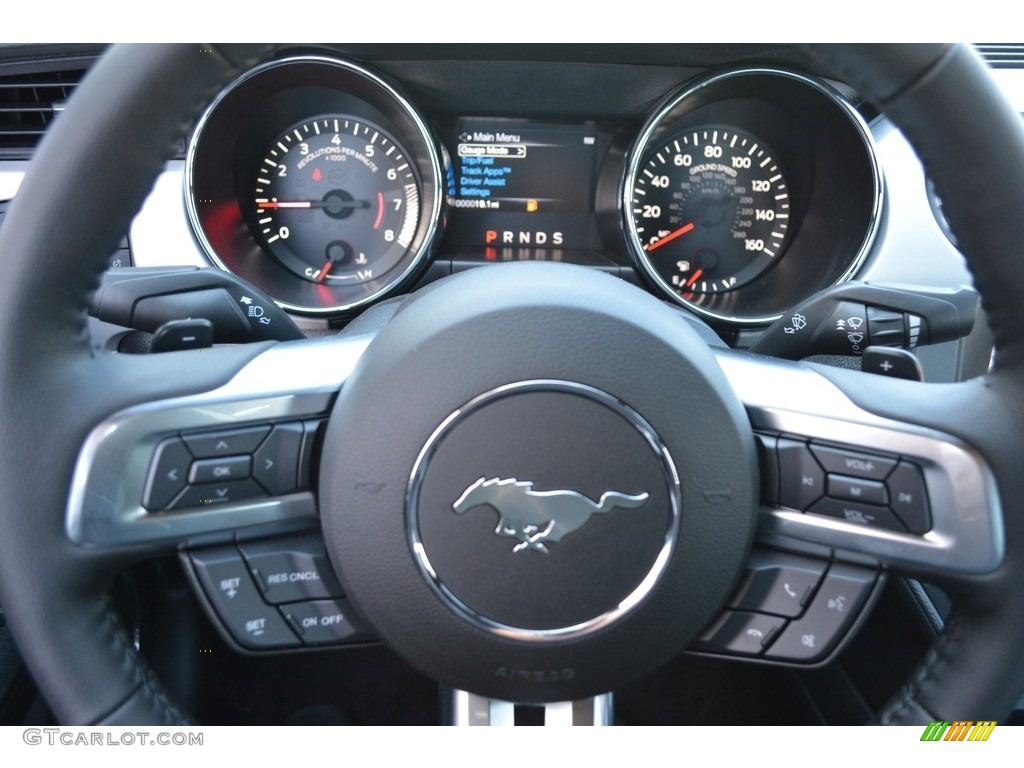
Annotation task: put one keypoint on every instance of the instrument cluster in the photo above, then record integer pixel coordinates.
(740, 194)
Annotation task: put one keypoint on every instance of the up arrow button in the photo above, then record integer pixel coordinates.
(204, 445)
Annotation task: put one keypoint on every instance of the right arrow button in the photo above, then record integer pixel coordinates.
(276, 463)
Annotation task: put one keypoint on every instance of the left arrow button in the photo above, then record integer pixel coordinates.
(167, 474)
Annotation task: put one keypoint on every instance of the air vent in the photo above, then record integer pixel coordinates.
(28, 104)
(1002, 54)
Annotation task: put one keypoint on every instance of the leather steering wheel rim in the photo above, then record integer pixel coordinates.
(54, 387)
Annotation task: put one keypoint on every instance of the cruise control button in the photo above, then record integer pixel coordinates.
(327, 621)
(856, 489)
(908, 497)
(167, 475)
(778, 583)
(862, 514)
(292, 569)
(276, 463)
(739, 632)
(220, 470)
(227, 584)
(801, 481)
(229, 442)
(833, 610)
(848, 462)
(210, 494)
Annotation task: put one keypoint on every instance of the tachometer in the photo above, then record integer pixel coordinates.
(316, 180)
(711, 210)
(336, 200)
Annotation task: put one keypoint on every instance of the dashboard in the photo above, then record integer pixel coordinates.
(784, 182)
(731, 181)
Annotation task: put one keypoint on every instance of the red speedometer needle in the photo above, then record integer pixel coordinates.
(669, 237)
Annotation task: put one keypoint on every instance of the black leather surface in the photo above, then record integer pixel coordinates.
(972, 146)
(89, 176)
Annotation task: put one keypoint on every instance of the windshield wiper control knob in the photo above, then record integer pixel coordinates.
(847, 319)
(147, 298)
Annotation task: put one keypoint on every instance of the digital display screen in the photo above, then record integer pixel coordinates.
(517, 183)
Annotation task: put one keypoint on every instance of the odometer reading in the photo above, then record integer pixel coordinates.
(710, 208)
(336, 201)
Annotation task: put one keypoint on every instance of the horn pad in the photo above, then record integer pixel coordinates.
(537, 485)
(545, 508)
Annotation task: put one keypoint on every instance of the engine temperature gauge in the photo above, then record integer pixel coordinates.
(709, 209)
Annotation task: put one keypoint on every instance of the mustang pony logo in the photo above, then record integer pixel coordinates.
(536, 517)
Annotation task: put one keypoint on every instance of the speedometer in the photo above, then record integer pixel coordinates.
(710, 207)
(747, 191)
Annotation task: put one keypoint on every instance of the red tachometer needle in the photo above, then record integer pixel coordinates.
(332, 203)
(275, 204)
(670, 237)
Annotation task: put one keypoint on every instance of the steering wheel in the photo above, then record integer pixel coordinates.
(546, 351)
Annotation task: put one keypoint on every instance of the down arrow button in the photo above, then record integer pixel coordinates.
(276, 464)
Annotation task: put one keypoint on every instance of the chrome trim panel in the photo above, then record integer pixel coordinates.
(160, 233)
(289, 381)
(911, 247)
(11, 175)
(1011, 83)
(560, 633)
(464, 708)
(967, 534)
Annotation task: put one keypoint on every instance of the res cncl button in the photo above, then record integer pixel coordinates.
(291, 570)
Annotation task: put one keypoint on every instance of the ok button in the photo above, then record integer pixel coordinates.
(220, 470)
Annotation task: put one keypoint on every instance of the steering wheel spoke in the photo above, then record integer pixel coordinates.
(463, 708)
(214, 463)
(847, 481)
